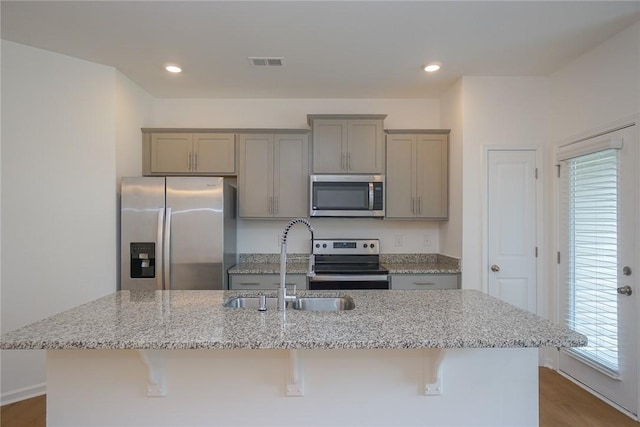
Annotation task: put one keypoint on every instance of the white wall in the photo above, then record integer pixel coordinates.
(497, 111)
(290, 113)
(262, 236)
(597, 88)
(451, 106)
(134, 110)
(58, 195)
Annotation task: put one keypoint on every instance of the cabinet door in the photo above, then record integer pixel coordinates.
(266, 281)
(329, 146)
(214, 153)
(364, 146)
(425, 281)
(432, 174)
(255, 181)
(171, 152)
(400, 180)
(291, 176)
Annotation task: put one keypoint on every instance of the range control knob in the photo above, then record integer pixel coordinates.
(317, 245)
(365, 245)
(324, 245)
(372, 246)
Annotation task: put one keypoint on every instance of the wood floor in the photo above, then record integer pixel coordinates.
(26, 413)
(562, 404)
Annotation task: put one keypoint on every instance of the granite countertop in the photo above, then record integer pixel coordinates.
(395, 263)
(381, 319)
(270, 264)
(268, 268)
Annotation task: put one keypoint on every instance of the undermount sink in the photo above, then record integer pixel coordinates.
(302, 303)
(323, 303)
(250, 302)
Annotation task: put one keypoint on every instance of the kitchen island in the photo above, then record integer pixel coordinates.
(179, 358)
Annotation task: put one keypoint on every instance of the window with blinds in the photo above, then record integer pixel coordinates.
(589, 201)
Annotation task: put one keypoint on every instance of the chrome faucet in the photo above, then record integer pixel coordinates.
(282, 291)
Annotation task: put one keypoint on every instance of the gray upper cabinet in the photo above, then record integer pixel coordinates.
(417, 174)
(274, 175)
(188, 153)
(347, 143)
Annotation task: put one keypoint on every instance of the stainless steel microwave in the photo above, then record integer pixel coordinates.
(346, 195)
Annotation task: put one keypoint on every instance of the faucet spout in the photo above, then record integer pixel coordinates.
(282, 290)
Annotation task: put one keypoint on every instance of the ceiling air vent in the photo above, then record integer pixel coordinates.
(261, 62)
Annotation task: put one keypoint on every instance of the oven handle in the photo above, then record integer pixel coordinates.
(348, 278)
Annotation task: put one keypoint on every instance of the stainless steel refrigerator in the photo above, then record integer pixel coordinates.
(177, 232)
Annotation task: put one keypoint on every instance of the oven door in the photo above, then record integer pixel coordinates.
(348, 281)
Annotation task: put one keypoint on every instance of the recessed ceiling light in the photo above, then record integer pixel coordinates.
(173, 69)
(431, 68)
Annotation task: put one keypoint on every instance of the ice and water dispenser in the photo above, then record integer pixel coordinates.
(143, 260)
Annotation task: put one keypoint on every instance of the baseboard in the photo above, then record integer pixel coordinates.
(23, 393)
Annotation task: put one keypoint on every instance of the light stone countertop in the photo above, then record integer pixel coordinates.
(381, 320)
(395, 263)
(421, 268)
(268, 268)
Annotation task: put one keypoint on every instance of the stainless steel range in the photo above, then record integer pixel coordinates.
(348, 264)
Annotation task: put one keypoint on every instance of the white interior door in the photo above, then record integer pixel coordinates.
(511, 231)
(599, 263)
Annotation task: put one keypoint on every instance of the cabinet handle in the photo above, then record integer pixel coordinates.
(419, 206)
(424, 283)
(348, 161)
(343, 163)
(195, 162)
(276, 209)
(249, 283)
(270, 205)
(413, 206)
(189, 162)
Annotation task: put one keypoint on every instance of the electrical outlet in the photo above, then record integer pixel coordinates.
(397, 240)
(426, 240)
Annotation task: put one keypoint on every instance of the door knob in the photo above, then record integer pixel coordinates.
(625, 290)
(495, 268)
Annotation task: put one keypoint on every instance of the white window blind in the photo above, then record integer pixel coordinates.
(589, 201)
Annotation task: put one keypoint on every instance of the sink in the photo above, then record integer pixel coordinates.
(323, 303)
(251, 302)
(302, 303)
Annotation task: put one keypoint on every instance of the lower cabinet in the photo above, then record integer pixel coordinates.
(238, 282)
(425, 281)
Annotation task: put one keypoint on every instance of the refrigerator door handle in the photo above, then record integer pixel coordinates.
(166, 259)
(159, 259)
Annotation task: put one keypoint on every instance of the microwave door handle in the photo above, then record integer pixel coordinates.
(371, 196)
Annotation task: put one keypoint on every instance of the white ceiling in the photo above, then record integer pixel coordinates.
(332, 49)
